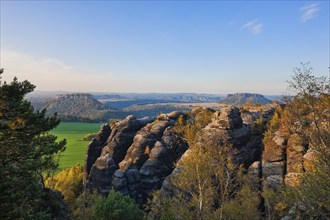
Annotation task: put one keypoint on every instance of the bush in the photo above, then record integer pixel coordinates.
(116, 207)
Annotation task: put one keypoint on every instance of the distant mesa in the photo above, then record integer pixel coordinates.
(74, 106)
(243, 98)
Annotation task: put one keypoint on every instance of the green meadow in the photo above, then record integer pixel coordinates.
(74, 132)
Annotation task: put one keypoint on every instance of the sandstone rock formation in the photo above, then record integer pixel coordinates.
(138, 156)
(95, 147)
(225, 130)
(283, 161)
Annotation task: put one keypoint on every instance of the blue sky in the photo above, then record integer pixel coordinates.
(163, 46)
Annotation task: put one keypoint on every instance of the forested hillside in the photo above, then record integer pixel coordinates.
(75, 107)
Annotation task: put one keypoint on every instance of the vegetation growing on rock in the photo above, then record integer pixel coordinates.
(304, 124)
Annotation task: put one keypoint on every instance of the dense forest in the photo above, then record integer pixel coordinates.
(252, 162)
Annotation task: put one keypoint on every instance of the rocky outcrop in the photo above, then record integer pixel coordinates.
(137, 156)
(94, 148)
(283, 161)
(142, 155)
(112, 151)
(122, 137)
(227, 129)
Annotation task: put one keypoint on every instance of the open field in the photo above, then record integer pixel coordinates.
(73, 132)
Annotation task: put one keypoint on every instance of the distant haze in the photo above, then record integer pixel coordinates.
(216, 47)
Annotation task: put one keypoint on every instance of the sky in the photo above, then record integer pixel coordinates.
(214, 47)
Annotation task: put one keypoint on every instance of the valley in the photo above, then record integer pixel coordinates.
(74, 133)
(164, 110)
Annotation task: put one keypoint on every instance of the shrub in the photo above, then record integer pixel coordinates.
(116, 207)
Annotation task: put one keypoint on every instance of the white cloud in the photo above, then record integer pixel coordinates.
(254, 26)
(309, 12)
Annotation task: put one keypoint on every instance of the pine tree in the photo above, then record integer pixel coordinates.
(26, 152)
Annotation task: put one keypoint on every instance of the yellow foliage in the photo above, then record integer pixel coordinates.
(69, 182)
(280, 207)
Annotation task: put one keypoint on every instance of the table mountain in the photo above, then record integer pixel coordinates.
(75, 106)
(242, 98)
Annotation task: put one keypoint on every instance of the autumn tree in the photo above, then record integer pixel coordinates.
(69, 182)
(26, 151)
(307, 115)
(209, 185)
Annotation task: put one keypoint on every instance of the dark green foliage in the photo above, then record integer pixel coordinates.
(116, 207)
(26, 151)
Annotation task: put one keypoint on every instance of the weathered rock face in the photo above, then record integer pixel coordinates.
(136, 157)
(283, 161)
(109, 154)
(254, 173)
(227, 129)
(122, 136)
(95, 147)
